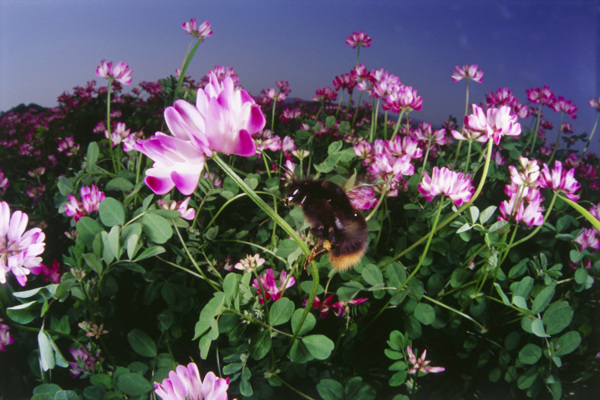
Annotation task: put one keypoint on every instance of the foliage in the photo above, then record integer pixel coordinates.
(143, 289)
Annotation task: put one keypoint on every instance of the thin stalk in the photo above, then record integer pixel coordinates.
(562, 114)
(591, 135)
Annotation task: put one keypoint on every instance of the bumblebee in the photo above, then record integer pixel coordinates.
(340, 229)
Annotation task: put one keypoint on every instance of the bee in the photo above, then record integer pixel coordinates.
(340, 229)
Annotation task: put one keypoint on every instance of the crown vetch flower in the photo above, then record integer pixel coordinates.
(185, 383)
(560, 180)
(84, 362)
(358, 39)
(271, 289)
(120, 72)
(5, 337)
(223, 120)
(588, 238)
(421, 364)
(201, 32)
(467, 72)
(453, 184)
(495, 122)
(19, 249)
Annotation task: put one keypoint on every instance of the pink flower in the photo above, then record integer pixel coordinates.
(185, 383)
(181, 206)
(325, 95)
(250, 263)
(84, 363)
(566, 106)
(201, 32)
(224, 120)
(467, 72)
(91, 197)
(421, 364)
(495, 123)
(120, 72)
(271, 289)
(5, 337)
(339, 307)
(19, 250)
(455, 185)
(51, 274)
(541, 96)
(358, 39)
(588, 238)
(3, 181)
(560, 180)
(595, 103)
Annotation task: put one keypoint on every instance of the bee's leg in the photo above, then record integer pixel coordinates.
(323, 246)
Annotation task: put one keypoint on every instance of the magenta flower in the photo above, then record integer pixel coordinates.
(120, 72)
(185, 383)
(6, 338)
(541, 96)
(3, 181)
(455, 185)
(566, 106)
(468, 72)
(272, 290)
(224, 120)
(421, 364)
(358, 39)
(19, 250)
(495, 123)
(91, 197)
(595, 103)
(560, 180)
(201, 32)
(588, 238)
(84, 362)
(325, 95)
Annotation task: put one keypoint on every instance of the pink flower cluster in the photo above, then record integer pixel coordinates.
(181, 206)
(444, 181)
(523, 189)
(223, 120)
(492, 124)
(421, 364)
(389, 160)
(120, 72)
(268, 288)
(560, 180)
(91, 197)
(185, 383)
(19, 249)
(201, 32)
(468, 72)
(358, 39)
(6, 338)
(505, 97)
(271, 95)
(85, 362)
(339, 307)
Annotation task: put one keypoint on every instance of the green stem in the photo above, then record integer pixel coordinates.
(535, 130)
(273, 115)
(187, 59)
(562, 114)
(439, 303)
(591, 135)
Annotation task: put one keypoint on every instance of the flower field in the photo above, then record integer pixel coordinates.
(188, 239)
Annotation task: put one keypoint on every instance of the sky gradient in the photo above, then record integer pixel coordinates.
(48, 47)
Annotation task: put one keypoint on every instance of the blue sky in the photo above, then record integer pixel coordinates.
(47, 47)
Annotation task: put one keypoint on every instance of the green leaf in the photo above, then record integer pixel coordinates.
(112, 242)
(501, 293)
(372, 275)
(46, 352)
(141, 343)
(150, 252)
(87, 229)
(530, 354)
(474, 211)
(537, 328)
(111, 212)
(398, 378)
(23, 313)
(299, 352)
(330, 390)
(581, 275)
(261, 345)
(424, 313)
(542, 300)
(157, 228)
(119, 184)
(307, 326)
(567, 343)
(133, 384)
(487, 214)
(320, 346)
(523, 287)
(557, 317)
(93, 151)
(281, 311)
(93, 261)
